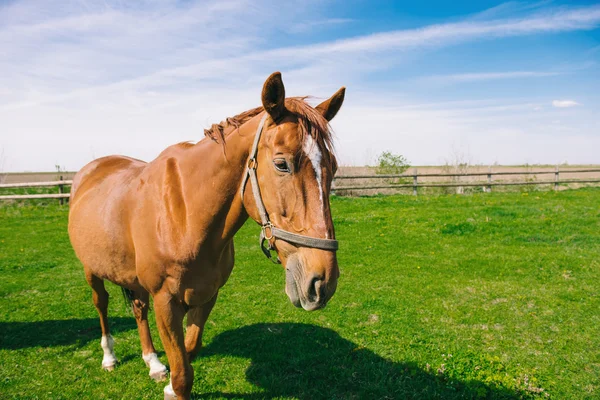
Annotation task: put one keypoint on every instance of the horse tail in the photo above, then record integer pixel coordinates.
(128, 295)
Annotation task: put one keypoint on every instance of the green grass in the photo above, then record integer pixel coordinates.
(481, 296)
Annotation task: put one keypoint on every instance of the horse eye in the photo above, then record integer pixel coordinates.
(281, 165)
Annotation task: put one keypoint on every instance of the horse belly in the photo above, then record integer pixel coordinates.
(103, 253)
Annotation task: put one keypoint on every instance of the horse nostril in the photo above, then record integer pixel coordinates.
(315, 288)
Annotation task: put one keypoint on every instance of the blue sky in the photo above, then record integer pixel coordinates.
(485, 81)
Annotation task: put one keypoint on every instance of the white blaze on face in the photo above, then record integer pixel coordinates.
(314, 155)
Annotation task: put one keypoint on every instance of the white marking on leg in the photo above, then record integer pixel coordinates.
(169, 392)
(109, 360)
(314, 155)
(157, 369)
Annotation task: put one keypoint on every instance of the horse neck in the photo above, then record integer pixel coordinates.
(214, 177)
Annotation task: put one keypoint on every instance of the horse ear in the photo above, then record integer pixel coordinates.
(273, 96)
(330, 107)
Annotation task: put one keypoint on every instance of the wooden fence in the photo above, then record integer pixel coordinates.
(60, 195)
(487, 185)
(339, 188)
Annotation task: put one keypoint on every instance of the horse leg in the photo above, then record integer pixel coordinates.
(140, 303)
(196, 318)
(100, 297)
(169, 318)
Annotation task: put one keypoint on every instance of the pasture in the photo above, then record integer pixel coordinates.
(450, 297)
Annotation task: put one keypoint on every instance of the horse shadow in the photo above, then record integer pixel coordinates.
(310, 362)
(287, 360)
(20, 335)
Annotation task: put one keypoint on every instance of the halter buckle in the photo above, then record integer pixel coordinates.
(263, 238)
(252, 163)
(268, 226)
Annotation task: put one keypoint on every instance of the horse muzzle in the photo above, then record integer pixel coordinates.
(309, 290)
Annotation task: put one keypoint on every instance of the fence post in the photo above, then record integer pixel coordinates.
(489, 188)
(60, 191)
(556, 178)
(415, 183)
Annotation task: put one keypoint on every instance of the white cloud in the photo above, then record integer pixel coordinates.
(303, 27)
(113, 77)
(426, 134)
(167, 48)
(564, 103)
(560, 20)
(486, 76)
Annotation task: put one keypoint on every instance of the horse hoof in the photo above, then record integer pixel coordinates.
(109, 367)
(169, 393)
(109, 362)
(159, 376)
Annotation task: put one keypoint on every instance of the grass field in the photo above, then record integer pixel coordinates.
(481, 296)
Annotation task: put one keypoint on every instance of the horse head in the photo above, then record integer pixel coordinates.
(290, 169)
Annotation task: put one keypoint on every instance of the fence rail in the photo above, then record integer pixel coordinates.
(61, 196)
(569, 171)
(35, 184)
(415, 185)
(465, 184)
(487, 185)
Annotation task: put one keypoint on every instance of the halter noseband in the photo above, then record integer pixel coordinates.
(268, 231)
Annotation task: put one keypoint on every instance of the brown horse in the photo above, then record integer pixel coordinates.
(165, 228)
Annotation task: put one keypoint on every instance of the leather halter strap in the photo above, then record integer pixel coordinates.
(268, 231)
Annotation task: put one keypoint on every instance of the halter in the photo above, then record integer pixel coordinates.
(268, 231)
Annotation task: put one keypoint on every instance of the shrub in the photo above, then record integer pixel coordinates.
(389, 163)
(392, 164)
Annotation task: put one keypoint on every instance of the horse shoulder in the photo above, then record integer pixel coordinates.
(174, 205)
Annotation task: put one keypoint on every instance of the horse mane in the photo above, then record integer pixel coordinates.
(311, 122)
(217, 131)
